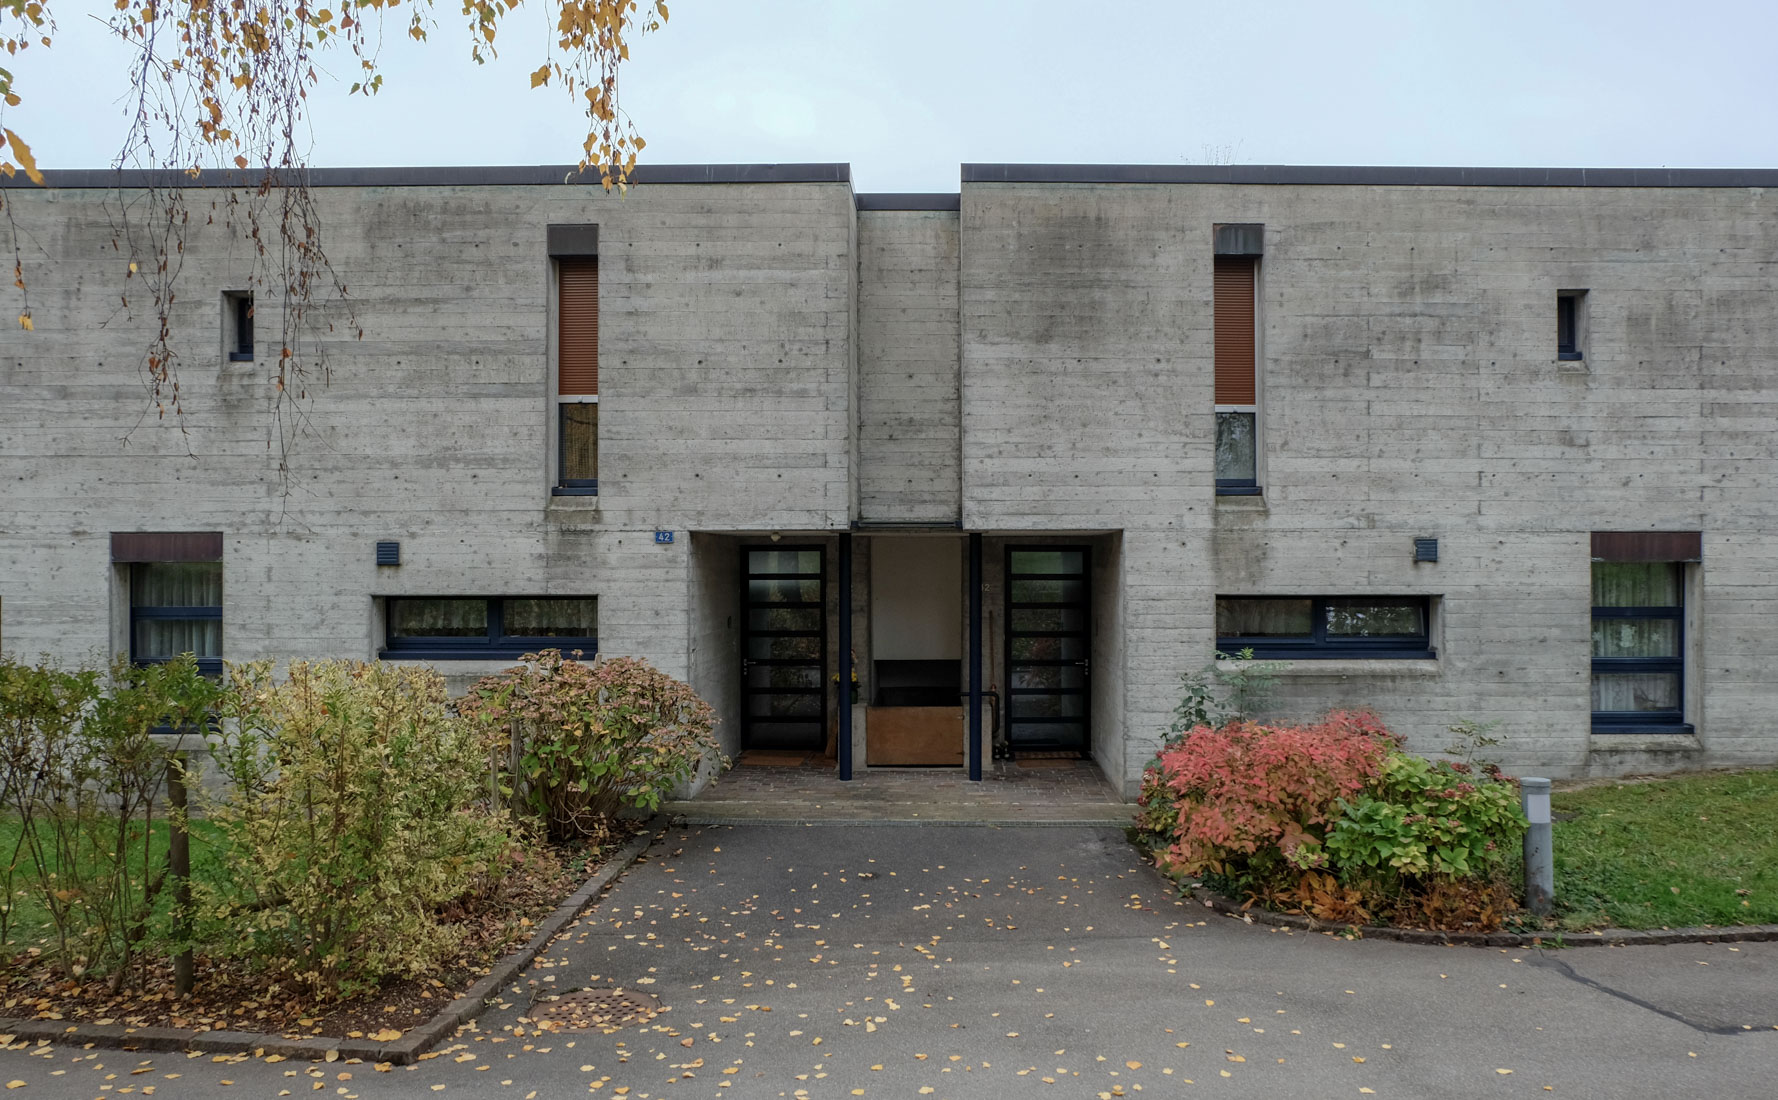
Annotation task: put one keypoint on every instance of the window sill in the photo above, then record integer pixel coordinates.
(1346, 666)
(1668, 731)
(1239, 491)
(1254, 503)
(1570, 356)
(574, 491)
(502, 654)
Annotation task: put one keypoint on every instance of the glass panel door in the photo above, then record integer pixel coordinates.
(1048, 640)
(784, 648)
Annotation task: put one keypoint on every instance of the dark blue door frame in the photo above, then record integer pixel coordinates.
(975, 656)
(844, 702)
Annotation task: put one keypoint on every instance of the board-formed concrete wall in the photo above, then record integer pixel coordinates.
(908, 345)
(1410, 386)
(1035, 365)
(726, 348)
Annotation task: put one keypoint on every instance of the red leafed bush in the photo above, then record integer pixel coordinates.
(1243, 795)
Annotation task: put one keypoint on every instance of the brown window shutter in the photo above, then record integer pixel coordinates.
(164, 546)
(1648, 546)
(1234, 331)
(577, 345)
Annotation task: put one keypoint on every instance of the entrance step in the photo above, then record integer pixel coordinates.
(1035, 792)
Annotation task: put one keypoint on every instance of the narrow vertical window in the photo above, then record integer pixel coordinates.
(577, 373)
(237, 325)
(1570, 313)
(1236, 354)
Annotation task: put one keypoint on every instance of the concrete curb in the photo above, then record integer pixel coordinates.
(403, 1051)
(1610, 937)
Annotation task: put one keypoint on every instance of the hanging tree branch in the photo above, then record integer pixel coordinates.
(224, 85)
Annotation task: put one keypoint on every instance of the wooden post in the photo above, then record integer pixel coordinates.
(179, 864)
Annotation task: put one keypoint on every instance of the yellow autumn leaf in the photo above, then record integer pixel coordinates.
(29, 164)
(387, 1035)
(541, 76)
(24, 323)
(1503, 1072)
(14, 1084)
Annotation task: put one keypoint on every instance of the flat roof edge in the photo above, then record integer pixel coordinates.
(470, 176)
(1369, 176)
(904, 200)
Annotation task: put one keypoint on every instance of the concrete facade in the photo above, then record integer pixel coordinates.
(1030, 360)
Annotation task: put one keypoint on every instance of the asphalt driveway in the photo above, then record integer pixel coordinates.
(921, 961)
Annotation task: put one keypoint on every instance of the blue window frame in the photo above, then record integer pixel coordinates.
(1319, 627)
(1639, 647)
(176, 608)
(482, 627)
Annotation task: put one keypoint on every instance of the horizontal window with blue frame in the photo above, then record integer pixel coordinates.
(1638, 647)
(1311, 627)
(176, 608)
(498, 627)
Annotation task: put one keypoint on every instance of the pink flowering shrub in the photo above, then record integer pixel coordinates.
(1333, 819)
(1246, 796)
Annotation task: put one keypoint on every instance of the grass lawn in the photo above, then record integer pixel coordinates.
(30, 922)
(1694, 850)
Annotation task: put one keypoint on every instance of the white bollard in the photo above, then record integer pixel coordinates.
(1540, 865)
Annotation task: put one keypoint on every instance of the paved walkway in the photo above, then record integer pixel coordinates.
(1052, 792)
(811, 963)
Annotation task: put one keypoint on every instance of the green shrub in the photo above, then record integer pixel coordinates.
(584, 740)
(1423, 818)
(83, 767)
(356, 807)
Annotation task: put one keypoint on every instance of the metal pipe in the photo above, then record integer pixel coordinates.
(1540, 866)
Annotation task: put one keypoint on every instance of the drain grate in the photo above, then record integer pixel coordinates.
(607, 1010)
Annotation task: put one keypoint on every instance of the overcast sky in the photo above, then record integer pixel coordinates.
(906, 90)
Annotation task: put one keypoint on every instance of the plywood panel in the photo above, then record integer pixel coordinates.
(914, 736)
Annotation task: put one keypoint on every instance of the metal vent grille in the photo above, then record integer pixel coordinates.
(388, 553)
(608, 1010)
(1425, 549)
